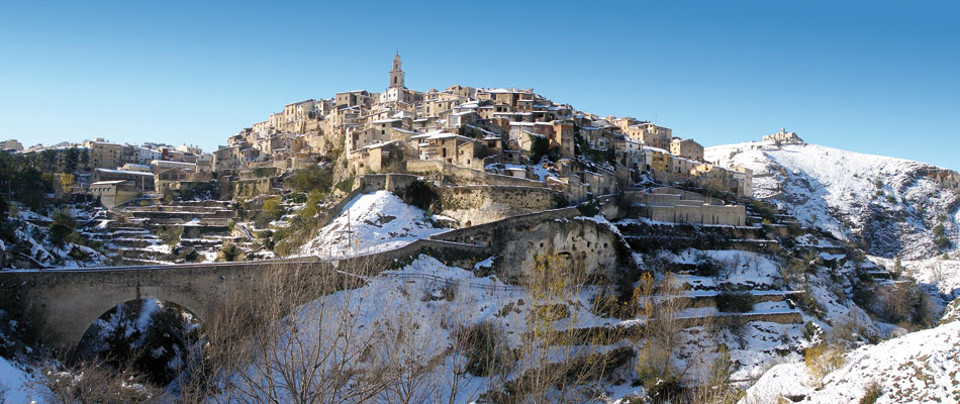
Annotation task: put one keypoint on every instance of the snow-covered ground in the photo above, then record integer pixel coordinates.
(18, 386)
(888, 202)
(920, 367)
(35, 241)
(414, 314)
(372, 222)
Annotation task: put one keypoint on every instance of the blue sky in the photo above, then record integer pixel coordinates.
(876, 77)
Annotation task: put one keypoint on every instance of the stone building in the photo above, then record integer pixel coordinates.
(374, 158)
(11, 144)
(686, 148)
(673, 205)
(451, 148)
(179, 179)
(142, 181)
(783, 137)
(650, 134)
(113, 193)
(104, 154)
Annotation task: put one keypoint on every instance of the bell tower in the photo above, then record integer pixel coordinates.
(396, 74)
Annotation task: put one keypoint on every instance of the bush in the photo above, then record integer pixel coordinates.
(871, 393)
(665, 390)
(270, 211)
(810, 331)
(938, 230)
(821, 359)
(539, 147)
(347, 184)
(486, 349)
(311, 178)
(589, 208)
(734, 302)
(169, 235)
(62, 227)
(229, 253)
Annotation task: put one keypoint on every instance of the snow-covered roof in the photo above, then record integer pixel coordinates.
(387, 120)
(107, 170)
(107, 182)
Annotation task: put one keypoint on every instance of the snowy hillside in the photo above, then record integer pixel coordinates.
(889, 206)
(34, 247)
(917, 367)
(17, 385)
(372, 222)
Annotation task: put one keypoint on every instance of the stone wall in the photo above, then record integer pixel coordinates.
(729, 215)
(473, 205)
(384, 182)
(464, 175)
(559, 236)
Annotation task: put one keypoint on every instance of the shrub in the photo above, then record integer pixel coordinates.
(821, 359)
(811, 330)
(229, 252)
(871, 393)
(589, 208)
(169, 235)
(347, 184)
(486, 349)
(311, 178)
(734, 302)
(938, 230)
(62, 227)
(270, 211)
(665, 390)
(539, 147)
(943, 243)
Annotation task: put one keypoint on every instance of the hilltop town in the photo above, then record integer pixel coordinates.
(485, 134)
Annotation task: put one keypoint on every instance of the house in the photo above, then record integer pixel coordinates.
(666, 204)
(451, 148)
(562, 138)
(179, 179)
(387, 156)
(650, 134)
(686, 148)
(11, 144)
(113, 193)
(656, 160)
(104, 154)
(141, 180)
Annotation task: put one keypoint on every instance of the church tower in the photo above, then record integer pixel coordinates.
(396, 74)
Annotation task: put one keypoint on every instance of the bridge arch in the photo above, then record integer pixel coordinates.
(161, 340)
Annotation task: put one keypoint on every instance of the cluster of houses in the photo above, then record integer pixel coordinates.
(115, 173)
(497, 130)
(493, 131)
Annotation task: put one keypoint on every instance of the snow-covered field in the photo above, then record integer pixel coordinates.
(373, 222)
(920, 367)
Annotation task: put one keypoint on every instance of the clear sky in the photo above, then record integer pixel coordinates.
(878, 77)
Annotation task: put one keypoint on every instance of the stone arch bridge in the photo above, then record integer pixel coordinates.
(59, 305)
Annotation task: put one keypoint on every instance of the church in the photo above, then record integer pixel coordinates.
(397, 92)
